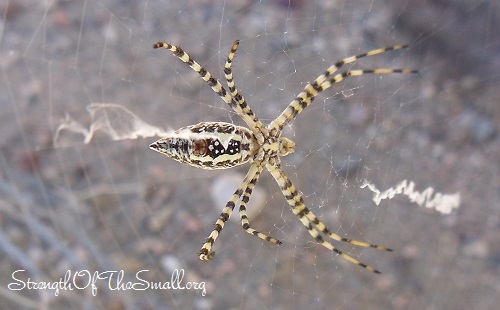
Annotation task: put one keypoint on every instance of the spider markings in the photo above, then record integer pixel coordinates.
(200, 145)
(208, 145)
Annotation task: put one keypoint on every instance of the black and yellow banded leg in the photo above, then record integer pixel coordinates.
(322, 227)
(312, 89)
(248, 116)
(243, 211)
(341, 76)
(206, 252)
(259, 129)
(296, 202)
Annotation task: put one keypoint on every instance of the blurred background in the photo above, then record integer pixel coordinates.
(116, 205)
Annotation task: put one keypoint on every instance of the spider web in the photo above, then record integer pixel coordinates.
(84, 93)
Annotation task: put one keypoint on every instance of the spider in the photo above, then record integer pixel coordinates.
(220, 145)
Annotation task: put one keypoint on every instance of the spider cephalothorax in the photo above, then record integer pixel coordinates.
(219, 145)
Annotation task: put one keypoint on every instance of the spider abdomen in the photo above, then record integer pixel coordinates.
(208, 145)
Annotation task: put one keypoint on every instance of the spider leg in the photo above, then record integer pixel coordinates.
(322, 227)
(341, 76)
(306, 97)
(246, 114)
(206, 252)
(259, 129)
(243, 211)
(308, 219)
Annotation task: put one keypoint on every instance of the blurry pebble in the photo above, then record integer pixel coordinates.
(223, 188)
(204, 303)
(477, 127)
(11, 9)
(192, 223)
(161, 218)
(358, 115)
(170, 262)
(150, 245)
(477, 249)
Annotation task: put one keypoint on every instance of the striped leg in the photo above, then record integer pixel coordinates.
(206, 252)
(260, 130)
(318, 85)
(246, 114)
(322, 227)
(310, 221)
(243, 211)
(341, 76)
